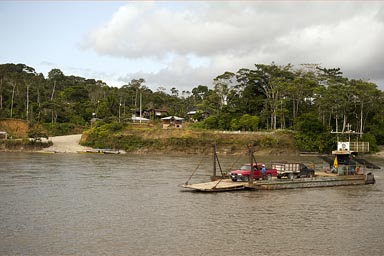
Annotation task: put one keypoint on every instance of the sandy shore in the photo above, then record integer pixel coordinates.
(65, 144)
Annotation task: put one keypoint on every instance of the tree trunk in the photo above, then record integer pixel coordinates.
(27, 112)
(344, 121)
(136, 99)
(337, 124)
(53, 90)
(329, 120)
(38, 96)
(13, 96)
(274, 120)
(1, 93)
(361, 119)
(38, 103)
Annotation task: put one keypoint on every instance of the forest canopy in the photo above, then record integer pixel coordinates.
(309, 99)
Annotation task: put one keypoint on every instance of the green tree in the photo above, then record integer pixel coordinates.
(200, 93)
(312, 135)
(365, 96)
(55, 75)
(248, 122)
(210, 122)
(222, 86)
(300, 91)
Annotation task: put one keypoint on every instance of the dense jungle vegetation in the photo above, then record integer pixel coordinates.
(310, 101)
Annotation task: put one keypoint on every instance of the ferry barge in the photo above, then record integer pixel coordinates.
(344, 170)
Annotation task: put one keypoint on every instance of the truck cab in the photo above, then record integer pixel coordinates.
(244, 173)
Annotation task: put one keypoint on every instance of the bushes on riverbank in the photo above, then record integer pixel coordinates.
(145, 138)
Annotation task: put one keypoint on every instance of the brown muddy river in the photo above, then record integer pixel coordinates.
(79, 204)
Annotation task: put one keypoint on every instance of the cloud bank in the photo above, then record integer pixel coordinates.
(193, 42)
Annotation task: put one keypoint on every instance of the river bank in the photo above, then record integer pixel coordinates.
(71, 144)
(142, 139)
(226, 144)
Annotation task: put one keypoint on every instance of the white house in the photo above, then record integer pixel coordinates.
(137, 119)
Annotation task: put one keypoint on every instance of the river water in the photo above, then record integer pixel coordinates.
(84, 204)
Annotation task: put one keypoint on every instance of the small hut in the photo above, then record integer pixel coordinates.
(155, 113)
(172, 122)
(3, 135)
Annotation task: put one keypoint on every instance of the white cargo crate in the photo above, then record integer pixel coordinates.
(286, 167)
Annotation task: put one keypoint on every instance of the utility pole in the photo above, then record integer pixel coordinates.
(250, 181)
(140, 106)
(214, 162)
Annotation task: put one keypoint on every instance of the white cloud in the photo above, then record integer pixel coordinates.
(193, 42)
(179, 73)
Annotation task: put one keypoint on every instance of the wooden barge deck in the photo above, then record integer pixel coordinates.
(217, 186)
(320, 180)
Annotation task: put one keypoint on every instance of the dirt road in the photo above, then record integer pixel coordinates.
(65, 144)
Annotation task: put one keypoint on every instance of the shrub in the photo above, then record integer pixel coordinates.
(372, 142)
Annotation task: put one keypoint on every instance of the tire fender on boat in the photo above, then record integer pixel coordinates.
(370, 178)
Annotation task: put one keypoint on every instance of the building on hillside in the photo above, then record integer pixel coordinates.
(156, 113)
(172, 122)
(152, 113)
(191, 115)
(3, 135)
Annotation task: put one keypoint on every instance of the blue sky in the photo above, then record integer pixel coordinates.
(184, 44)
(48, 35)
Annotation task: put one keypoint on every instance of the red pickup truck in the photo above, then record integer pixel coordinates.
(244, 173)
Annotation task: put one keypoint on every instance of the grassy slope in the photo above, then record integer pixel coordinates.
(140, 139)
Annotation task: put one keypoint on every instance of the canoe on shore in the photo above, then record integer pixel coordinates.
(99, 151)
